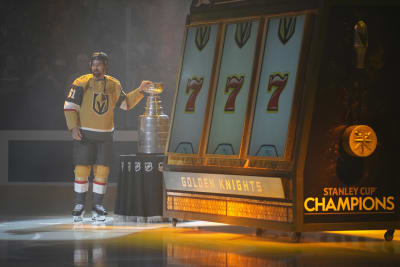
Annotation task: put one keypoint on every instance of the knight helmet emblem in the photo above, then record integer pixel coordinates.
(202, 36)
(100, 103)
(286, 28)
(242, 34)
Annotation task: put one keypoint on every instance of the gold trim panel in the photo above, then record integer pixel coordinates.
(231, 207)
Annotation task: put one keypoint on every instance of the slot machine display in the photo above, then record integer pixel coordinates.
(284, 116)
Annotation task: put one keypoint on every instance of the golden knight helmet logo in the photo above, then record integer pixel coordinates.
(287, 27)
(202, 36)
(100, 103)
(242, 34)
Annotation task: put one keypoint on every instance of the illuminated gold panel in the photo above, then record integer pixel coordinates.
(200, 205)
(263, 210)
(191, 160)
(257, 211)
(269, 164)
(169, 203)
(219, 161)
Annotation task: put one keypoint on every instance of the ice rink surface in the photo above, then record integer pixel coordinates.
(56, 241)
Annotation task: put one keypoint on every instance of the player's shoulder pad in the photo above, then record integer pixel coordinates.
(113, 80)
(83, 80)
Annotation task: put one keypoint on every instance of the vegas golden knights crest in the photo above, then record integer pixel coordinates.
(242, 34)
(286, 29)
(100, 103)
(202, 36)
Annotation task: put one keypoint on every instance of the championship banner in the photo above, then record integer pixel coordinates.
(349, 200)
(338, 203)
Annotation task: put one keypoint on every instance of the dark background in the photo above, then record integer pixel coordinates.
(46, 44)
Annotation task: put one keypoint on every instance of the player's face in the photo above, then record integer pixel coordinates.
(98, 68)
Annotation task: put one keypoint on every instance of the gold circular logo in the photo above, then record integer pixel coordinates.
(359, 140)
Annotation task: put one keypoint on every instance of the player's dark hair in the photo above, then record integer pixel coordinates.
(99, 56)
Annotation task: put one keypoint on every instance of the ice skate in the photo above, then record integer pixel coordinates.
(78, 212)
(99, 213)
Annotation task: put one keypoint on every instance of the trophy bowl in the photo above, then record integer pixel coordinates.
(155, 88)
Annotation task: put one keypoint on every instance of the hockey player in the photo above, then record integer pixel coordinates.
(89, 113)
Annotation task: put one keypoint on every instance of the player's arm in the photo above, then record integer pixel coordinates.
(129, 100)
(72, 105)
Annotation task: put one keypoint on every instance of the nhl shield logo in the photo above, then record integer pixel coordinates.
(100, 103)
(242, 35)
(286, 29)
(137, 166)
(202, 36)
(148, 166)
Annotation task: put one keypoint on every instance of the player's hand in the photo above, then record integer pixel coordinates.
(144, 86)
(76, 134)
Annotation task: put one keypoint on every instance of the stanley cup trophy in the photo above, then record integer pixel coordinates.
(153, 123)
(153, 133)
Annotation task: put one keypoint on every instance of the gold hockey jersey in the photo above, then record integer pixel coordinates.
(90, 103)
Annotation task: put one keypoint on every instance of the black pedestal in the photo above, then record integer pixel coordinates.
(139, 190)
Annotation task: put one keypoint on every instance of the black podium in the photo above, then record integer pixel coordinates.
(139, 193)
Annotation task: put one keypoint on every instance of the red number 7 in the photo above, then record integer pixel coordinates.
(194, 84)
(277, 82)
(233, 85)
